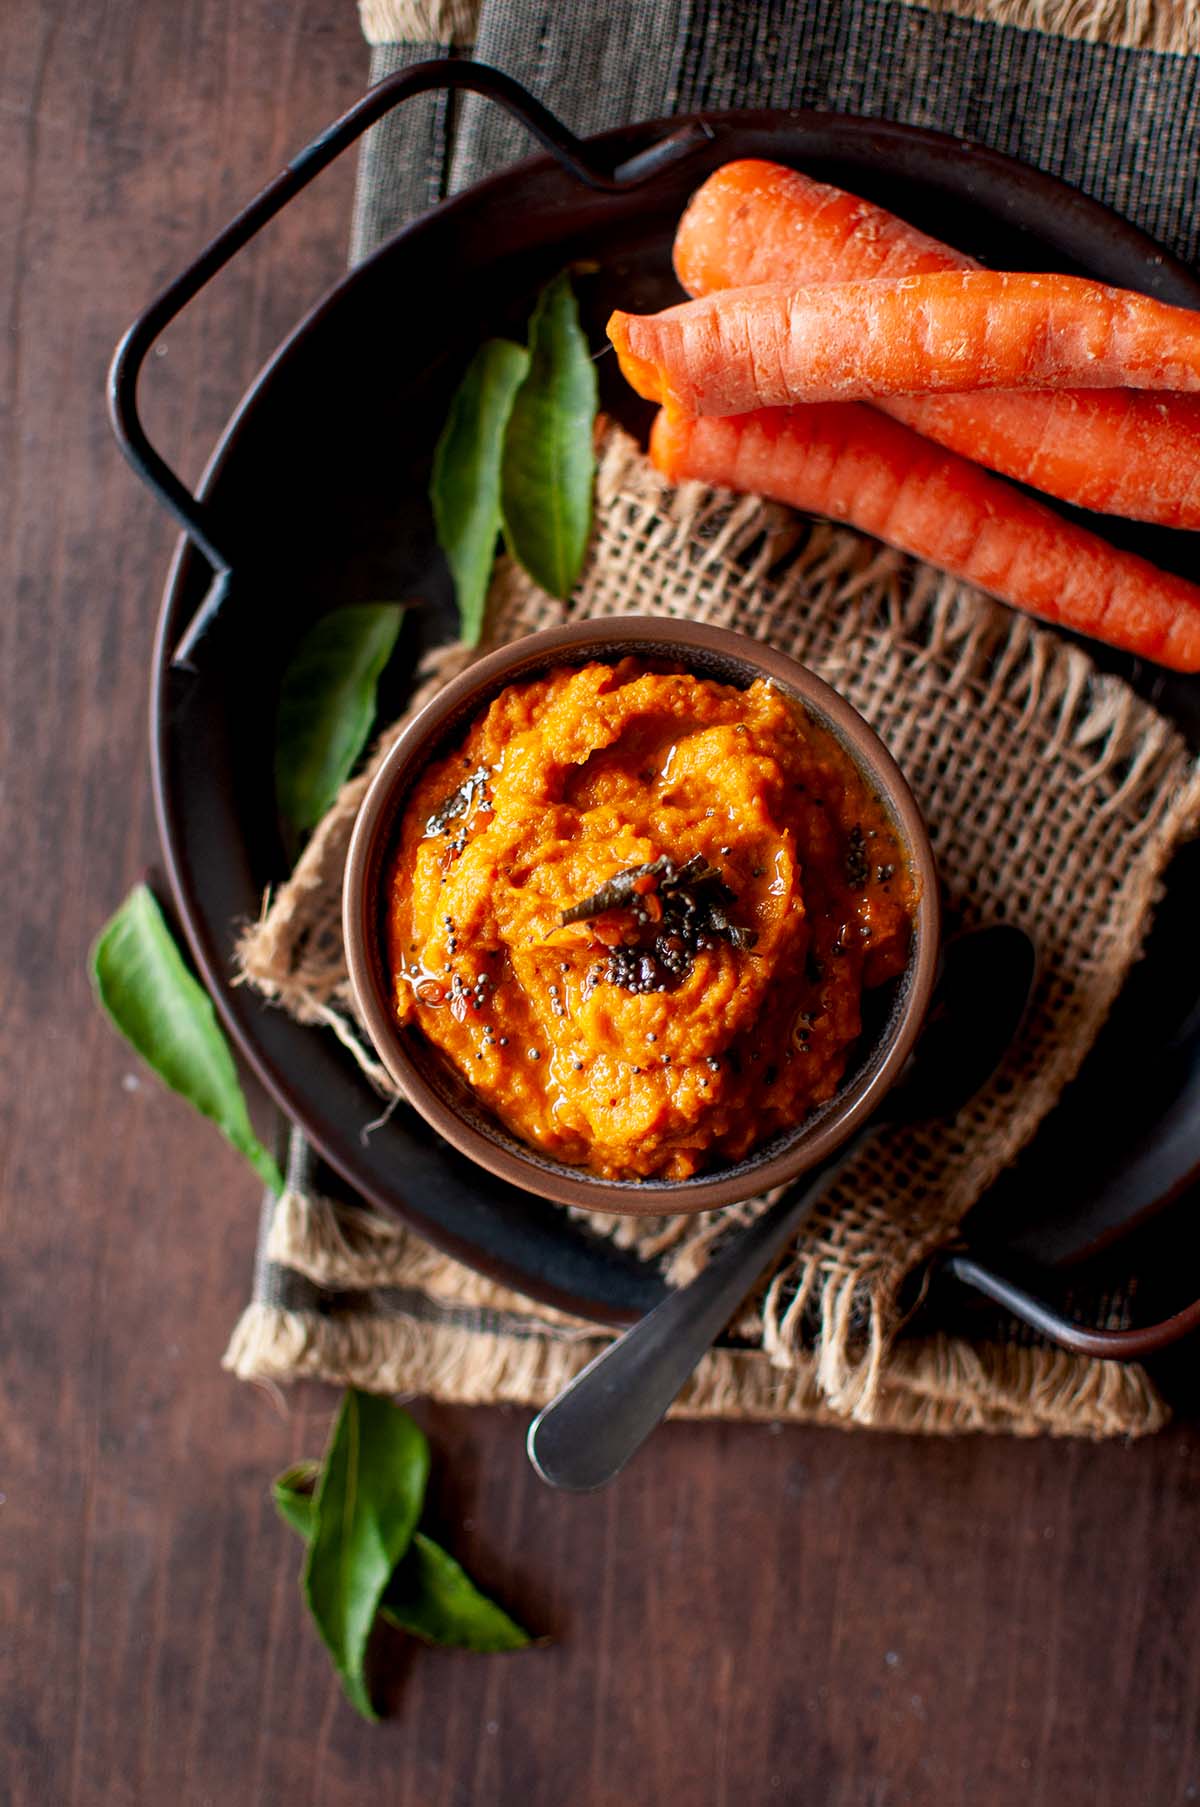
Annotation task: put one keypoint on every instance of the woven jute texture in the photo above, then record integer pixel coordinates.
(1054, 797)
(1137, 24)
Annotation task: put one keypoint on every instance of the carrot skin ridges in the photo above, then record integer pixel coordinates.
(755, 222)
(950, 331)
(1127, 453)
(1132, 452)
(847, 462)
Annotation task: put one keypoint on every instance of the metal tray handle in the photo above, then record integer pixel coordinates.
(1109, 1345)
(584, 161)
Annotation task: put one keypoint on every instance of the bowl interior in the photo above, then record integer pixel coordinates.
(891, 1013)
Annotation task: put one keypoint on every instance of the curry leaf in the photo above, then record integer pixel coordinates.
(429, 1595)
(157, 1005)
(433, 1597)
(327, 705)
(549, 461)
(367, 1504)
(292, 1492)
(465, 484)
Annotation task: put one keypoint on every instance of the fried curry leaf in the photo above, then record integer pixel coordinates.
(327, 705)
(151, 997)
(694, 893)
(465, 485)
(677, 912)
(616, 891)
(366, 1506)
(549, 461)
(430, 1595)
(462, 802)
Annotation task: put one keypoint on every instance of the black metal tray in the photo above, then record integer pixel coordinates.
(316, 496)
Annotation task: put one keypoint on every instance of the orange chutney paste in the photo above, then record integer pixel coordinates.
(730, 885)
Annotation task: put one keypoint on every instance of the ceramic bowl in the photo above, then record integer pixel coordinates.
(434, 1089)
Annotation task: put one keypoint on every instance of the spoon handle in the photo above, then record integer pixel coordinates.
(582, 1439)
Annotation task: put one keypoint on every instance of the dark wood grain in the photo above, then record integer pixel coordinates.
(754, 1614)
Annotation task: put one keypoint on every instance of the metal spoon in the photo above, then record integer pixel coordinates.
(582, 1439)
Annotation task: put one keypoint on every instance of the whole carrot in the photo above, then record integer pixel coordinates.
(944, 332)
(854, 465)
(755, 222)
(1122, 451)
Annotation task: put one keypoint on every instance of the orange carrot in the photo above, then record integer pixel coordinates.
(1126, 452)
(1122, 451)
(850, 463)
(755, 222)
(945, 332)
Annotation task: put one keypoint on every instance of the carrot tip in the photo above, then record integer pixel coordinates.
(642, 376)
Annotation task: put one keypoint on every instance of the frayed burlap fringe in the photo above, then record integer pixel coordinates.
(1167, 25)
(939, 1386)
(475, 1341)
(420, 21)
(1163, 25)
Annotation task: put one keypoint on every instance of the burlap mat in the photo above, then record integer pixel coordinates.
(1054, 797)
(1054, 794)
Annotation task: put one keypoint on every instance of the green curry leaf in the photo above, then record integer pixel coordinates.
(433, 1597)
(549, 460)
(156, 1004)
(327, 705)
(292, 1492)
(465, 485)
(430, 1595)
(367, 1504)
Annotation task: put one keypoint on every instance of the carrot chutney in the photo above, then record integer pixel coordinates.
(637, 909)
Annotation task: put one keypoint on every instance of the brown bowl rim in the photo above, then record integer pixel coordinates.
(360, 916)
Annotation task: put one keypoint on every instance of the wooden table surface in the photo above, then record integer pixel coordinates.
(754, 1614)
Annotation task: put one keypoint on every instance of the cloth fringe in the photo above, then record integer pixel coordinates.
(449, 22)
(479, 1342)
(938, 1387)
(1163, 25)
